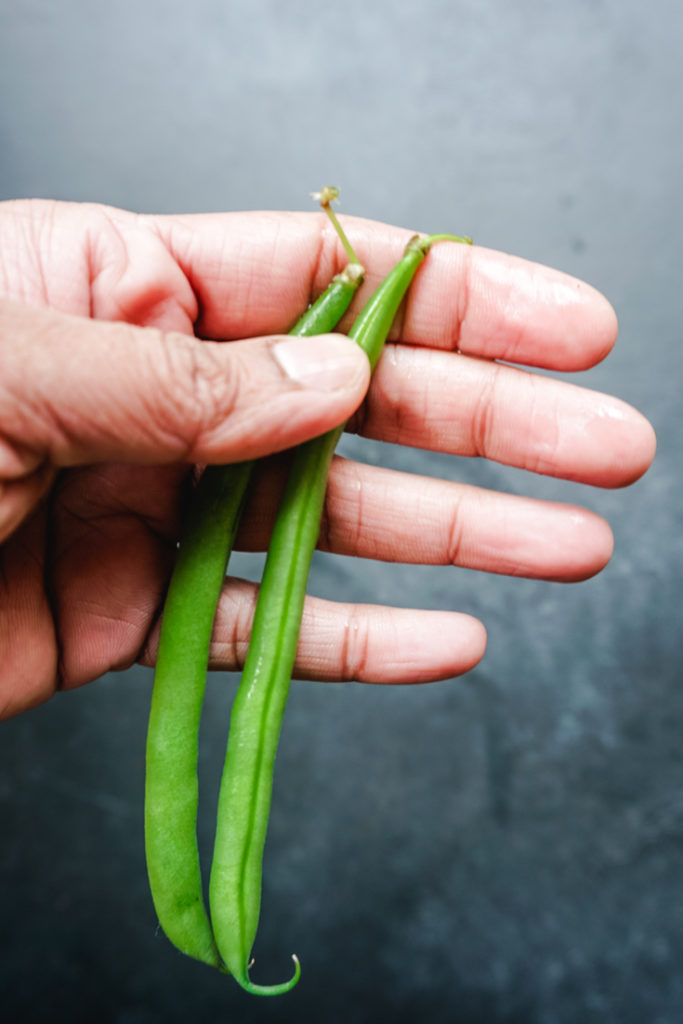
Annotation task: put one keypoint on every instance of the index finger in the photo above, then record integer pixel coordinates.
(253, 273)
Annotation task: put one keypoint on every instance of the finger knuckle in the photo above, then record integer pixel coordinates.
(356, 646)
(455, 541)
(484, 414)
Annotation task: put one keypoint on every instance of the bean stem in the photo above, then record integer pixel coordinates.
(327, 196)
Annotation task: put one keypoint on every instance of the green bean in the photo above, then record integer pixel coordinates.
(258, 708)
(171, 788)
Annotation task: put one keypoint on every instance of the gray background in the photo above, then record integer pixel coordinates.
(506, 847)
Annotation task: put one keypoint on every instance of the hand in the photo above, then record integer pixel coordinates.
(107, 399)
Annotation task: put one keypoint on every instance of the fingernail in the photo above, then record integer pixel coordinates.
(327, 362)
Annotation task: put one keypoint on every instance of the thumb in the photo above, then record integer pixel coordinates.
(76, 391)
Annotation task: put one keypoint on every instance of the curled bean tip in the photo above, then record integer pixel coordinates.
(273, 990)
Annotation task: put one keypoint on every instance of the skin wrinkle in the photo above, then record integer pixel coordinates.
(17, 239)
(389, 401)
(234, 615)
(356, 423)
(237, 262)
(210, 400)
(99, 522)
(112, 262)
(175, 359)
(116, 248)
(455, 537)
(92, 273)
(43, 230)
(123, 648)
(510, 316)
(100, 518)
(314, 288)
(344, 646)
(72, 422)
(355, 647)
(146, 654)
(275, 246)
(242, 630)
(20, 495)
(4, 278)
(483, 417)
(318, 261)
(41, 415)
(181, 244)
(329, 260)
(193, 310)
(548, 442)
(62, 431)
(424, 412)
(66, 262)
(353, 530)
(242, 269)
(384, 398)
(410, 412)
(463, 301)
(326, 537)
(391, 397)
(360, 506)
(248, 270)
(449, 309)
(506, 546)
(396, 329)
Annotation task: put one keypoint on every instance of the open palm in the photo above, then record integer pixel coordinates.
(108, 399)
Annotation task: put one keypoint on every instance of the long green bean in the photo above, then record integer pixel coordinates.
(257, 712)
(171, 788)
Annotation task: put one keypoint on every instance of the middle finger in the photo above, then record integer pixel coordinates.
(469, 406)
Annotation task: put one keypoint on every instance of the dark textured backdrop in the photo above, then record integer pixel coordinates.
(503, 848)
